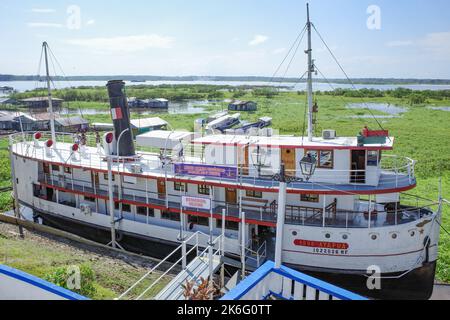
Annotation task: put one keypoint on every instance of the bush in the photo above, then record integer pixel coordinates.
(265, 92)
(416, 99)
(65, 277)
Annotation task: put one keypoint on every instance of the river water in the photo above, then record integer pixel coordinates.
(30, 85)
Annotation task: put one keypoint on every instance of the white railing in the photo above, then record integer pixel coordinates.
(286, 284)
(182, 260)
(392, 171)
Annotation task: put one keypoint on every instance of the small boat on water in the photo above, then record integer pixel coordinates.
(342, 203)
(252, 128)
(223, 123)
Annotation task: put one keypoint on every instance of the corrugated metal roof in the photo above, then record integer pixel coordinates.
(239, 103)
(71, 121)
(39, 99)
(163, 139)
(148, 122)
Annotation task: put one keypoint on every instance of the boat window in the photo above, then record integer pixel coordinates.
(89, 199)
(254, 194)
(372, 158)
(202, 221)
(165, 214)
(55, 167)
(144, 210)
(105, 177)
(230, 225)
(125, 207)
(325, 158)
(180, 186)
(46, 168)
(309, 198)
(203, 189)
(67, 170)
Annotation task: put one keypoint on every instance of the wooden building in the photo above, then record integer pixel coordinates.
(243, 106)
(41, 102)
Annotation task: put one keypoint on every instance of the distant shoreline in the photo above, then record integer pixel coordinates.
(373, 81)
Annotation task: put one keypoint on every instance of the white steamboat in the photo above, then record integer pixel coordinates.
(342, 201)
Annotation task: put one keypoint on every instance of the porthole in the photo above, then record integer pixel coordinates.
(412, 233)
(294, 233)
(328, 236)
(394, 236)
(374, 237)
(345, 237)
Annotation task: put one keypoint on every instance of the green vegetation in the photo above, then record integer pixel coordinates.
(62, 277)
(420, 133)
(5, 175)
(104, 275)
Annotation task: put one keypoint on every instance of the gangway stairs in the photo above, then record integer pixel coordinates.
(199, 267)
(196, 270)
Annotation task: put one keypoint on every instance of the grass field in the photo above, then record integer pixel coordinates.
(420, 133)
(41, 255)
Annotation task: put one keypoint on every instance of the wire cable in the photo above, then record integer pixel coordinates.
(300, 35)
(345, 73)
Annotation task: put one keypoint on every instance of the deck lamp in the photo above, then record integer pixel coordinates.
(308, 166)
(259, 158)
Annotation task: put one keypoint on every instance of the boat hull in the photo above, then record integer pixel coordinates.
(153, 247)
(416, 285)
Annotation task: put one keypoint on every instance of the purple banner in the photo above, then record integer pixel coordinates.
(206, 170)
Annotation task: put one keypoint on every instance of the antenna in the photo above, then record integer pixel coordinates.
(309, 81)
(50, 106)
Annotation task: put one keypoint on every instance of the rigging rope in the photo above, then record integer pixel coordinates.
(333, 88)
(66, 79)
(345, 73)
(300, 35)
(292, 59)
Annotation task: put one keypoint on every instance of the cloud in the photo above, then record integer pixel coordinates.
(279, 50)
(125, 43)
(44, 25)
(437, 43)
(400, 43)
(258, 39)
(90, 22)
(43, 10)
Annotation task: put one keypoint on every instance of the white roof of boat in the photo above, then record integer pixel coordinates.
(289, 141)
(163, 139)
(148, 122)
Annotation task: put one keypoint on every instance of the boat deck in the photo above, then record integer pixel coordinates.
(262, 215)
(150, 164)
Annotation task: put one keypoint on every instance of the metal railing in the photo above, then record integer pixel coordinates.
(182, 260)
(393, 171)
(413, 207)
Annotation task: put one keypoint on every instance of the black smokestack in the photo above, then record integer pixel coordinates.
(121, 117)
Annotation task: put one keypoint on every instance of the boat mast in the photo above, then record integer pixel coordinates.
(50, 106)
(309, 83)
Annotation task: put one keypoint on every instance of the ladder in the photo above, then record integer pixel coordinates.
(204, 263)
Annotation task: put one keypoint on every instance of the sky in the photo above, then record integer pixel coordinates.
(375, 38)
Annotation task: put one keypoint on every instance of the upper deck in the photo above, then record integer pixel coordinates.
(393, 175)
(287, 142)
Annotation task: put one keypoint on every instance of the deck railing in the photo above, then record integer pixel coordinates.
(380, 215)
(183, 253)
(393, 171)
(269, 283)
